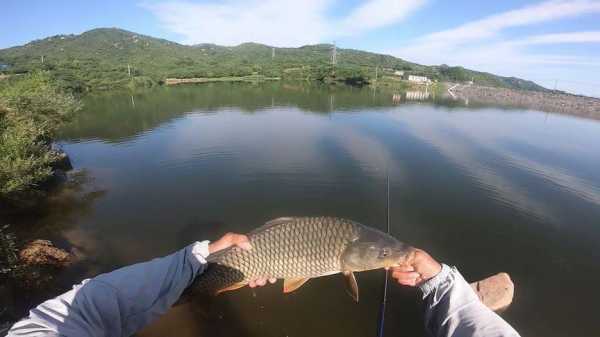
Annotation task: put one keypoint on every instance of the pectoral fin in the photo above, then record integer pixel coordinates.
(231, 287)
(351, 285)
(291, 284)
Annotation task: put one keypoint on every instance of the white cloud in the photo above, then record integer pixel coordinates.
(274, 22)
(277, 22)
(483, 45)
(491, 26)
(573, 37)
(378, 13)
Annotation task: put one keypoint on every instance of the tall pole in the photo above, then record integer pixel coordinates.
(273, 53)
(42, 58)
(128, 70)
(334, 55)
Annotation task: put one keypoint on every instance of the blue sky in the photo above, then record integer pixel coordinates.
(554, 42)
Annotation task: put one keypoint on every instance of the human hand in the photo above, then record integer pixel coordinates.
(418, 268)
(241, 241)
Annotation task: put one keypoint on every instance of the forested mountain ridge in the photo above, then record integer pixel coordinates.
(106, 58)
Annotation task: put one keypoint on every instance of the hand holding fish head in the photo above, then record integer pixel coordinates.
(417, 269)
(374, 249)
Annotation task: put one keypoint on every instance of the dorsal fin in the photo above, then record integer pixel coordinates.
(273, 223)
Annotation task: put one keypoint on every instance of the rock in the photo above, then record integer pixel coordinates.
(44, 253)
(59, 176)
(496, 291)
(62, 162)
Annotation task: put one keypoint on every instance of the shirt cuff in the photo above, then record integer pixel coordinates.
(434, 282)
(200, 251)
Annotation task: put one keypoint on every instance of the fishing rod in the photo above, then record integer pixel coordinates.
(382, 308)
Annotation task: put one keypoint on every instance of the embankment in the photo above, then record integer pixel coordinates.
(564, 103)
(174, 81)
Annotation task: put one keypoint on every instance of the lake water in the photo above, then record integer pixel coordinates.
(487, 189)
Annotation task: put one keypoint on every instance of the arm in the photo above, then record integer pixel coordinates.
(117, 303)
(452, 308)
(122, 302)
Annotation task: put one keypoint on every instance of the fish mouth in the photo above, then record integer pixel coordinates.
(394, 265)
(404, 259)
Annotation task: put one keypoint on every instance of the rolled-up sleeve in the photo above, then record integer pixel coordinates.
(452, 308)
(118, 303)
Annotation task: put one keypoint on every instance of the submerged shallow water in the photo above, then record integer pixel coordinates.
(484, 188)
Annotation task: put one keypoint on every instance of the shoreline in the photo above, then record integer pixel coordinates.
(563, 103)
(251, 78)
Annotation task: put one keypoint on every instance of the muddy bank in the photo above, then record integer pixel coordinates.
(582, 106)
(27, 275)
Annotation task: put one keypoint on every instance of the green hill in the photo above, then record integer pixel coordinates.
(104, 58)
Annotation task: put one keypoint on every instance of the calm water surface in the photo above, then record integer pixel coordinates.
(486, 189)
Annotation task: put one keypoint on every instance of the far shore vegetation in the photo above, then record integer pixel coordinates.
(110, 58)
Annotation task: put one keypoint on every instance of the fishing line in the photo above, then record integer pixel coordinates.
(385, 282)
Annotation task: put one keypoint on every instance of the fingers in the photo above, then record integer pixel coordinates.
(403, 268)
(241, 241)
(228, 240)
(418, 262)
(409, 278)
(259, 282)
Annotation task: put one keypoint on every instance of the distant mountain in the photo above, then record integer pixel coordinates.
(110, 58)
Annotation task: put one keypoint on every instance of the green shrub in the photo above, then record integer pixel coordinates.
(31, 109)
(9, 261)
(141, 82)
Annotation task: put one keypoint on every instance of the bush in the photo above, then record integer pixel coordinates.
(31, 110)
(141, 82)
(9, 261)
(25, 155)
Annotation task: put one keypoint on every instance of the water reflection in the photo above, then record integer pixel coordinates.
(119, 116)
(53, 218)
(488, 189)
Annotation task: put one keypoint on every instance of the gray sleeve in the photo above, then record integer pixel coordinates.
(452, 308)
(118, 303)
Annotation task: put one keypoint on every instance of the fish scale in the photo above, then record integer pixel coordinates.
(286, 248)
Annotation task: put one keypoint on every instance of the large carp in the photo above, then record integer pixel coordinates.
(298, 249)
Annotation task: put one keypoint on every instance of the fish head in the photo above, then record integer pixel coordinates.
(373, 249)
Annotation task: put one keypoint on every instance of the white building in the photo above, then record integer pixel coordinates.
(418, 79)
(399, 73)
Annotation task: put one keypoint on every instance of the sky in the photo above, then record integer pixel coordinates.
(555, 43)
